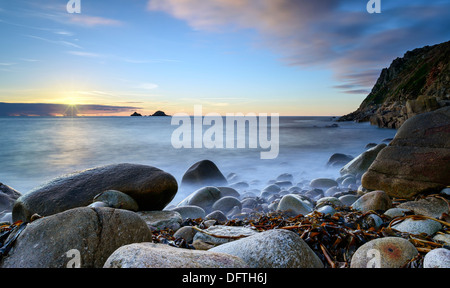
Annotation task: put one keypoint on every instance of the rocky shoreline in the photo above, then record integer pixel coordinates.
(117, 216)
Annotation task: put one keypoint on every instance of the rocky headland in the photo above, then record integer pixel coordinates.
(418, 82)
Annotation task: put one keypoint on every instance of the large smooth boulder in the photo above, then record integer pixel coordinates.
(272, 249)
(151, 255)
(150, 187)
(361, 164)
(417, 160)
(53, 241)
(203, 173)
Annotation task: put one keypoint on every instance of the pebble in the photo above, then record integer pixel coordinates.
(190, 212)
(430, 206)
(217, 215)
(437, 258)
(226, 203)
(411, 226)
(396, 212)
(376, 200)
(348, 200)
(223, 231)
(445, 191)
(162, 219)
(323, 183)
(442, 238)
(388, 252)
(117, 199)
(294, 204)
(186, 232)
(327, 209)
(334, 202)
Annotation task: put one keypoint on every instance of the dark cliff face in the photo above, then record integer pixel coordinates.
(417, 83)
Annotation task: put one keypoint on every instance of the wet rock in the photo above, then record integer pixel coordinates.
(339, 160)
(249, 203)
(227, 191)
(162, 219)
(430, 206)
(150, 187)
(227, 203)
(437, 258)
(376, 201)
(203, 173)
(332, 201)
(204, 198)
(95, 233)
(99, 204)
(190, 212)
(314, 193)
(332, 191)
(226, 233)
(117, 199)
(8, 196)
(186, 232)
(348, 200)
(417, 159)
(362, 163)
(396, 212)
(285, 177)
(388, 252)
(150, 255)
(411, 226)
(272, 249)
(326, 209)
(294, 204)
(323, 183)
(239, 185)
(445, 191)
(442, 238)
(217, 215)
(272, 189)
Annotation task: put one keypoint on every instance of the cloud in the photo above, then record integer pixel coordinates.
(85, 20)
(43, 109)
(58, 42)
(336, 34)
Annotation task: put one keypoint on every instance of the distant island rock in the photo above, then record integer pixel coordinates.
(160, 114)
(417, 83)
(135, 114)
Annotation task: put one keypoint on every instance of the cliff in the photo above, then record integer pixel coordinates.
(417, 83)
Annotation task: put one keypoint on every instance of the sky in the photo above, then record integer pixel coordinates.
(292, 57)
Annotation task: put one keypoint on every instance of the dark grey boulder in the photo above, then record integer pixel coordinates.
(7, 197)
(203, 173)
(150, 187)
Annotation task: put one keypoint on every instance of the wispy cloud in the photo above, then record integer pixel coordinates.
(90, 21)
(58, 42)
(336, 34)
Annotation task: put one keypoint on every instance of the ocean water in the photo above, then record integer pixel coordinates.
(35, 150)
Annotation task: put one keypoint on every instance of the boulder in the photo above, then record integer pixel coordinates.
(388, 252)
(272, 249)
(203, 198)
(203, 173)
(227, 203)
(92, 233)
(151, 255)
(417, 160)
(376, 201)
(150, 187)
(360, 164)
(294, 204)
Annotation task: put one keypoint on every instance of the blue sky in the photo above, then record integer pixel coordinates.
(293, 57)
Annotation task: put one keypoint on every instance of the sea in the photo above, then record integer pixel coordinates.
(34, 150)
